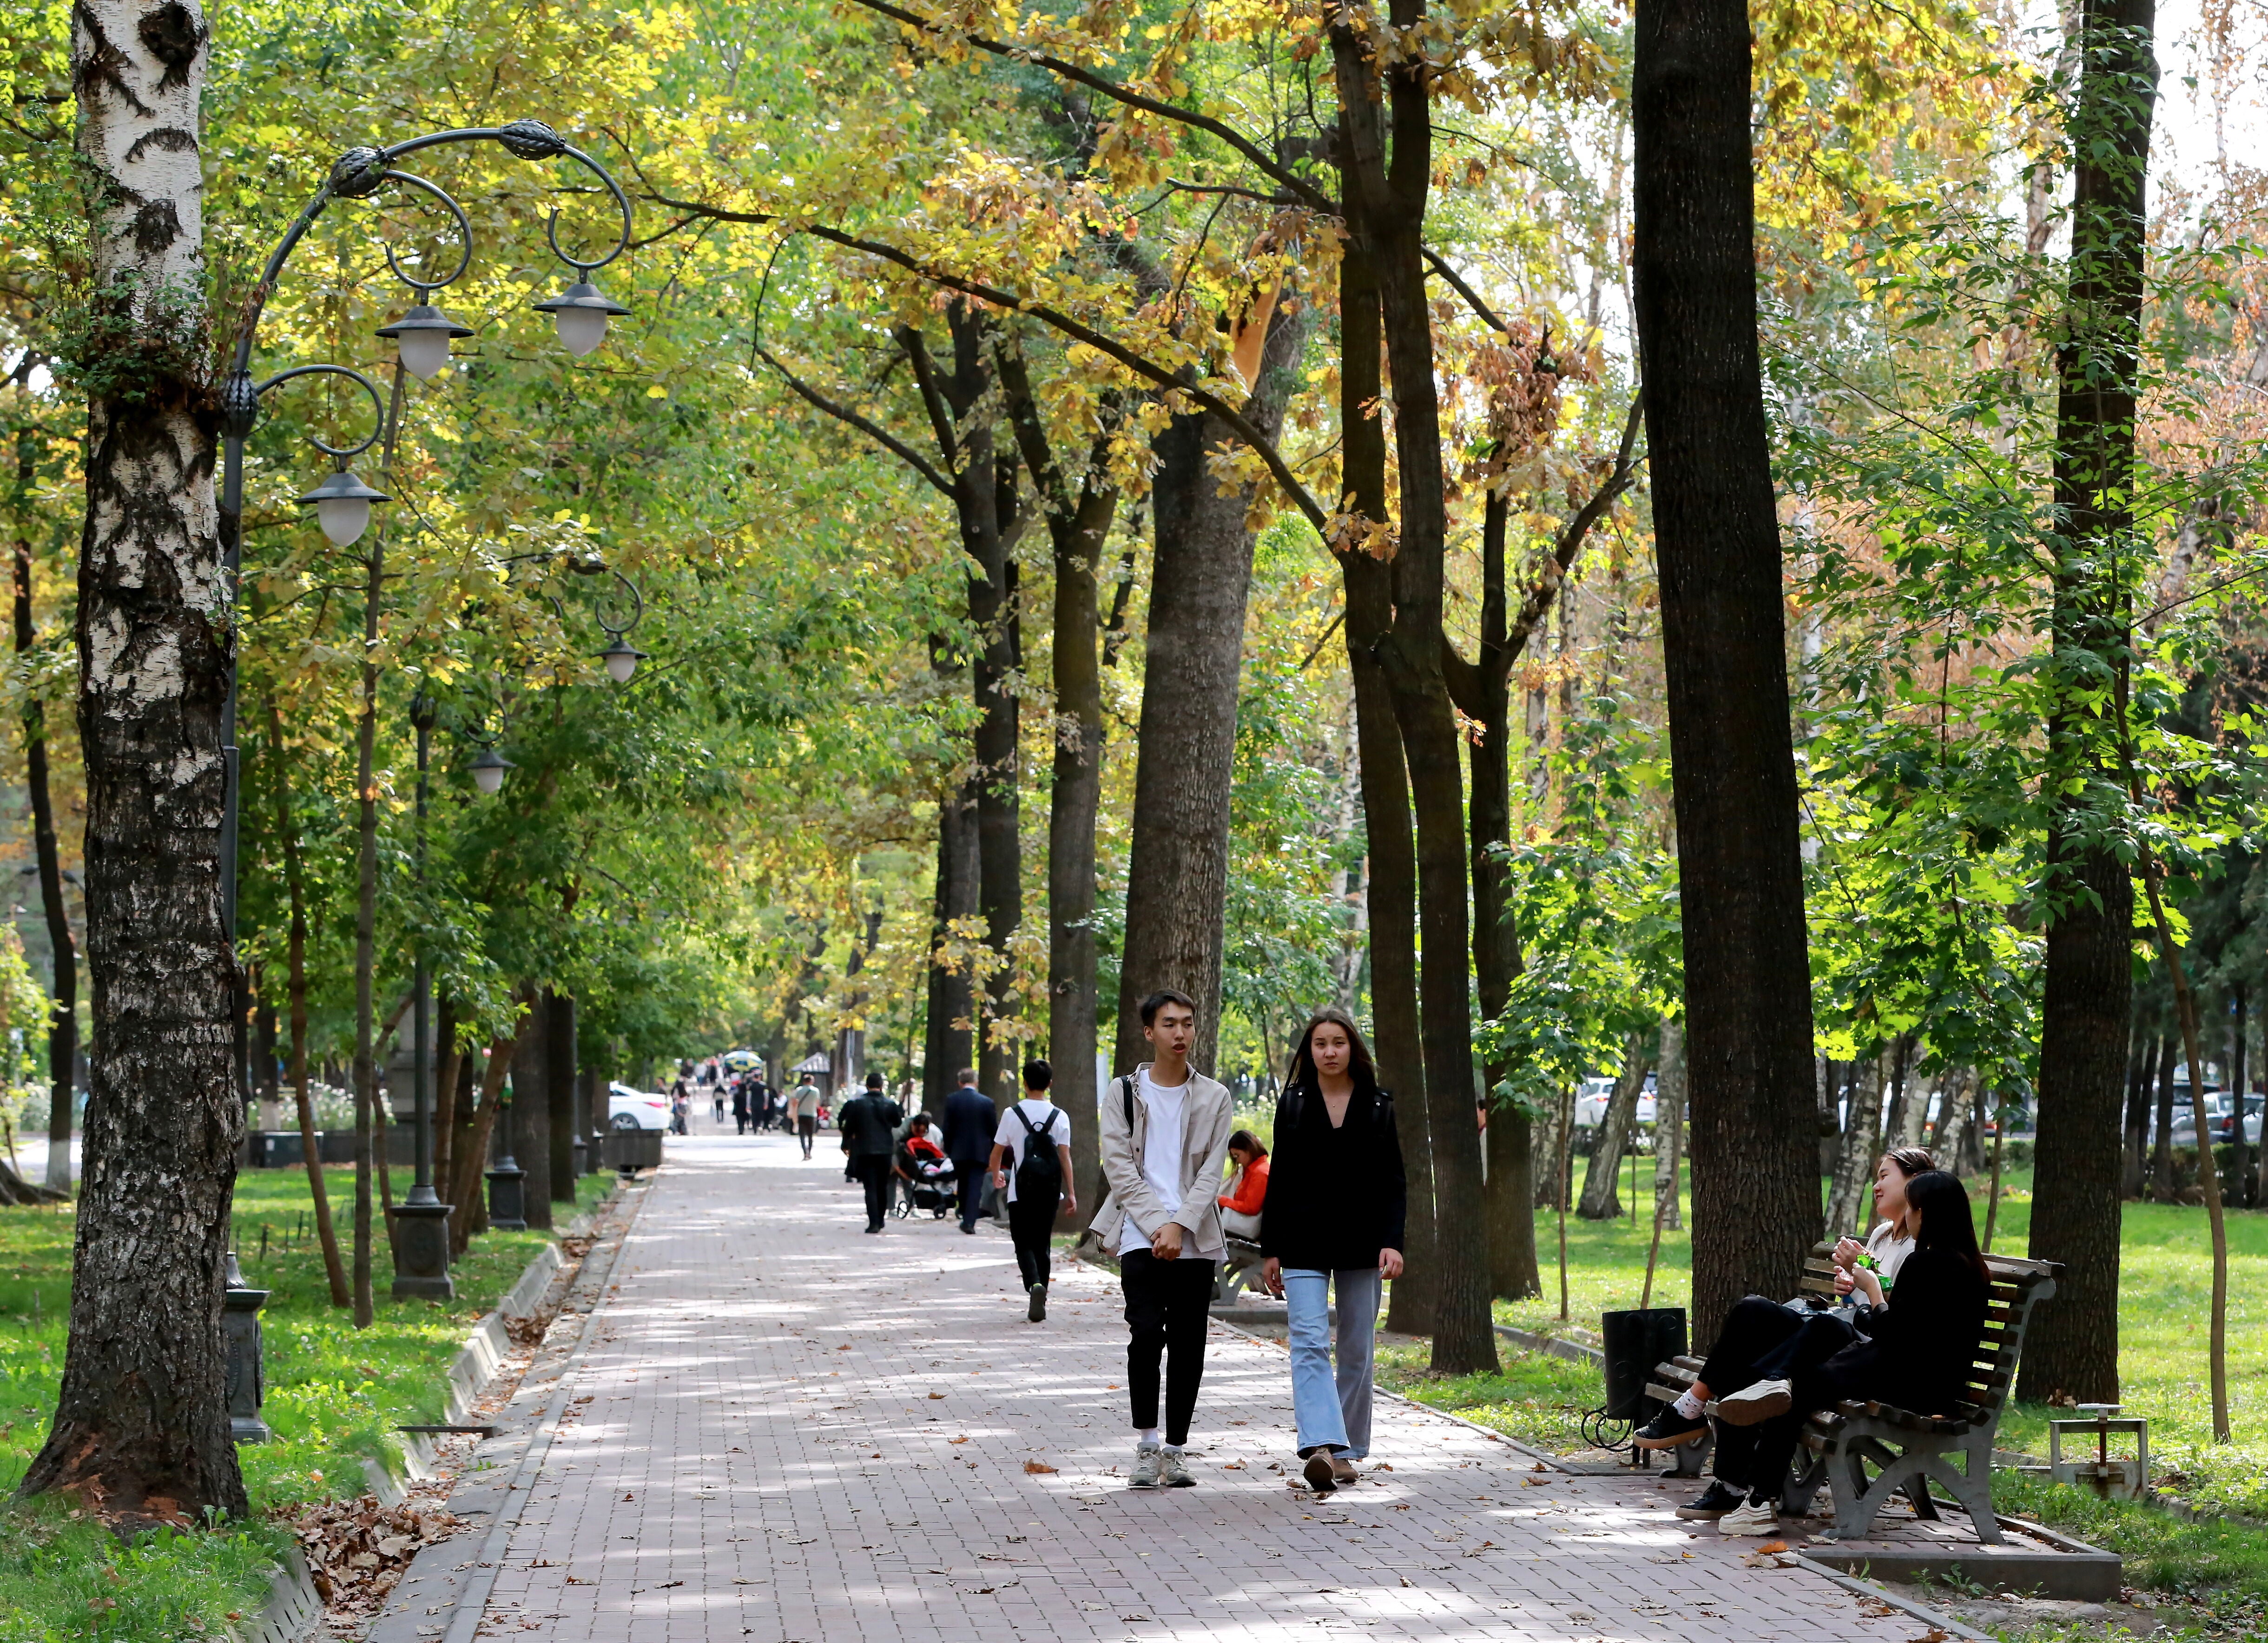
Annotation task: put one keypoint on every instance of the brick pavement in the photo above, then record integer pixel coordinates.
(788, 1431)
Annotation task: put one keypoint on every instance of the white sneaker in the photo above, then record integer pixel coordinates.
(1755, 1517)
(1148, 1459)
(1172, 1474)
(1758, 1402)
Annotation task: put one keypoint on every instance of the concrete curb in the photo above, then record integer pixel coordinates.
(293, 1612)
(1906, 1605)
(1573, 1351)
(470, 1602)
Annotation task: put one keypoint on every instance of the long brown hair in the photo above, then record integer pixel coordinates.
(1359, 1066)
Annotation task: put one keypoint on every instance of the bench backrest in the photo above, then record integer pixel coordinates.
(2016, 1285)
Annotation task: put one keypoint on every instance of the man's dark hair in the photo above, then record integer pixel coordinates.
(874, 1081)
(967, 1074)
(1162, 997)
(1038, 1075)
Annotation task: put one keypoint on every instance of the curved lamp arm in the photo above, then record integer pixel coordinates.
(377, 404)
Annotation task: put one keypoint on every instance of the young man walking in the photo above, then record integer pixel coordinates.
(1164, 1135)
(970, 1123)
(806, 1103)
(1031, 1163)
(869, 1122)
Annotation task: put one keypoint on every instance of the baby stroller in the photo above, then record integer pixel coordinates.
(925, 1179)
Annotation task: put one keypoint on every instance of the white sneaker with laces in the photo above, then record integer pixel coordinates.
(1760, 1401)
(1173, 1473)
(1148, 1459)
(1753, 1517)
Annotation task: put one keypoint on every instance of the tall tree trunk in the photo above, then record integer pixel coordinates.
(1670, 1124)
(1392, 891)
(1850, 1203)
(946, 1040)
(62, 1014)
(2141, 1080)
(1386, 200)
(1078, 529)
(142, 1413)
(531, 1107)
(1747, 984)
(2073, 1348)
(1618, 1126)
(447, 1060)
(1201, 571)
(473, 1151)
(1511, 1186)
(2162, 1147)
(559, 1089)
(295, 994)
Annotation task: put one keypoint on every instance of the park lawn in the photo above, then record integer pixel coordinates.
(335, 1395)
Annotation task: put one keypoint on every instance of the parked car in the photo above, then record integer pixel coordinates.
(1591, 1102)
(628, 1108)
(2221, 1110)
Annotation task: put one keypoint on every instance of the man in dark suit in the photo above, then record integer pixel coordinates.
(869, 1124)
(970, 1123)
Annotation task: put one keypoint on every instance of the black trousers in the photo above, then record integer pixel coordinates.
(972, 1174)
(806, 1127)
(1165, 1317)
(873, 1173)
(1762, 1340)
(1030, 1227)
(1755, 1458)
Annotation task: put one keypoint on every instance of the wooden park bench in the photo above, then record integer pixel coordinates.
(1906, 1451)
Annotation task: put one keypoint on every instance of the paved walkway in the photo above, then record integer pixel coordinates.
(788, 1431)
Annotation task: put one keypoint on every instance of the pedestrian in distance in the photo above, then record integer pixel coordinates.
(740, 1106)
(1333, 1220)
(1031, 1163)
(1163, 1134)
(806, 1102)
(869, 1123)
(970, 1123)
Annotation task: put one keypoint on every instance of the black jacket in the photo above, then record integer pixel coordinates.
(1915, 1353)
(970, 1123)
(1314, 1219)
(869, 1124)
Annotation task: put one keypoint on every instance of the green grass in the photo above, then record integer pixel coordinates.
(335, 1395)
(1538, 1399)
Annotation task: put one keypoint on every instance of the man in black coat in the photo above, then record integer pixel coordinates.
(970, 1123)
(869, 1124)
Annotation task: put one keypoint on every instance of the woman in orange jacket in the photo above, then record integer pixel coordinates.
(1247, 1188)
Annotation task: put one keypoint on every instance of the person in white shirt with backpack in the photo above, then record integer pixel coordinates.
(1031, 1163)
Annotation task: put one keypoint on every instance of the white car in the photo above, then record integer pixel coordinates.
(628, 1108)
(1591, 1102)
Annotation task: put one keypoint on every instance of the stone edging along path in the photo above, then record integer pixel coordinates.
(294, 1610)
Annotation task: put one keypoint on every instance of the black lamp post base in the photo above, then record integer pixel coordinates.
(507, 1196)
(421, 1252)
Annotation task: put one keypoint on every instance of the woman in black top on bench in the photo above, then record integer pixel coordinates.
(1764, 1342)
(1914, 1355)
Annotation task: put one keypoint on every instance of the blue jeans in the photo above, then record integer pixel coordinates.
(1332, 1406)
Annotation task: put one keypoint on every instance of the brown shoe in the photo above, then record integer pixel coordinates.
(1342, 1472)
(1322, 1475)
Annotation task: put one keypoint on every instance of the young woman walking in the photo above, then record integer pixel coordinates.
(1332, 1219)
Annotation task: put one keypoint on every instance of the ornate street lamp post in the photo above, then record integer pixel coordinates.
(343, 504)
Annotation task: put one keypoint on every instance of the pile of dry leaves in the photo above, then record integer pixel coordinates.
(356, 1548)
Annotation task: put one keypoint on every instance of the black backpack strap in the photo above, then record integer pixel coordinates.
(1028, 1131)
(1126, 1089)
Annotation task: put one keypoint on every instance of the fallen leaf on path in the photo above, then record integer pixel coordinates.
(1035, 1467)
(1406, 1581)
(1772, 1546)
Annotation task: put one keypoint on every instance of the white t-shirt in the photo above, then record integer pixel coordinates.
(1890, 1251)
(1012, 1135)
(1161, 1159)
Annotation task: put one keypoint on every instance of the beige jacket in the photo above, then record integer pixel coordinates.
(1208, 1119)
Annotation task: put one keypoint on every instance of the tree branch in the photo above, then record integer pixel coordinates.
(874, 431)
(1269, 165)
(1538, 602)
(1149, 370)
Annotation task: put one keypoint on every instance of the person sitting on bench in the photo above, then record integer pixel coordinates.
(1247, 1188)
(1914, 1355)
(1765, 1340)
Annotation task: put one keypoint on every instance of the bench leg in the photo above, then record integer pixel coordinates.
(1806, 1472)
(1686, 1458)
(1858, 1503)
